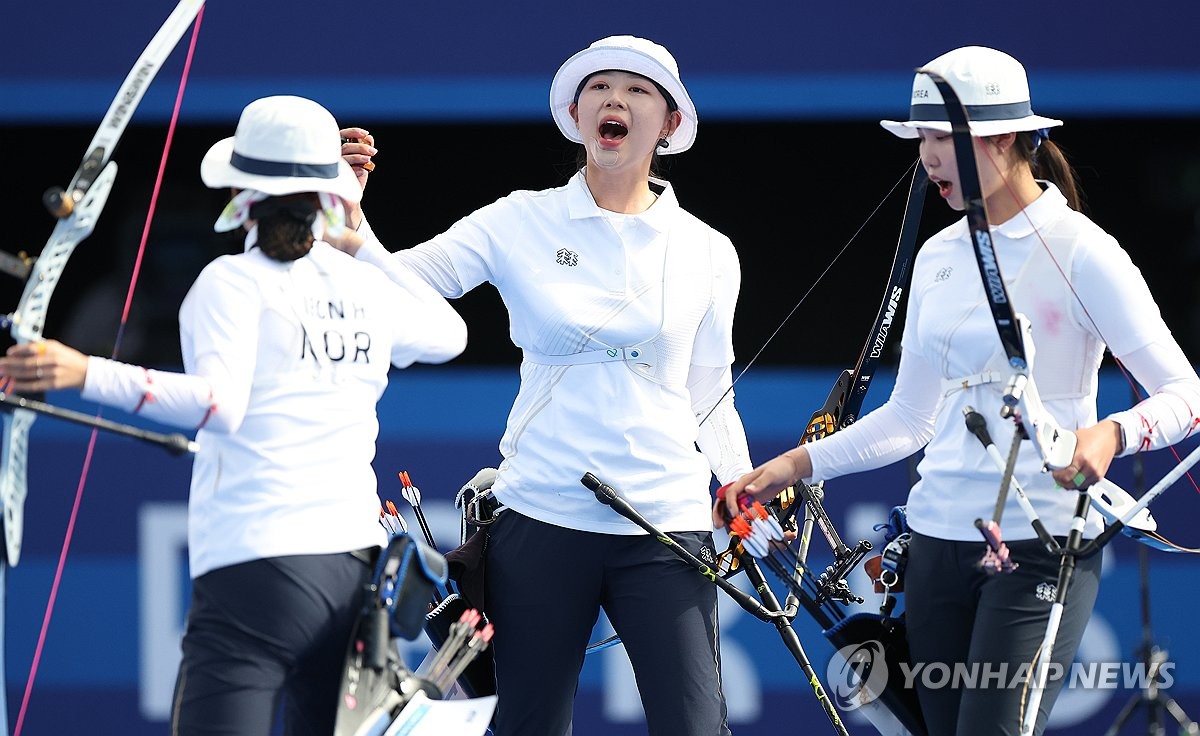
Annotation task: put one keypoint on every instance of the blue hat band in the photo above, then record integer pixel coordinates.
(281, 168)
(1010, 111)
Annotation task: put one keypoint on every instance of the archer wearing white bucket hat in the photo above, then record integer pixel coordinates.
(1081, 295)
(622, 303)
(991, 85)
(629, 54)
(282, 145)
(287, 349)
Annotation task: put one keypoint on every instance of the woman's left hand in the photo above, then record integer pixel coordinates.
(41, 366)
(1095, 448)
(358, 147)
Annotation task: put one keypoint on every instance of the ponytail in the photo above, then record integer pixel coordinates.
(1048, 161)
(285, 225)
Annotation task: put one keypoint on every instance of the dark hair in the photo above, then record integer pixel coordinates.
(1048, 161)
(671, 104)
(285, 225)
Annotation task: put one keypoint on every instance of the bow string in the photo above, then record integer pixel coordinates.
(77, 208)
(845, 400)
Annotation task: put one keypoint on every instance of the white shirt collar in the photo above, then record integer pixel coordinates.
(1035, 216)
(581, 204)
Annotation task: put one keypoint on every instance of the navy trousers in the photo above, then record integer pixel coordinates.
(958, 615)
(545, 588)
(267, 634)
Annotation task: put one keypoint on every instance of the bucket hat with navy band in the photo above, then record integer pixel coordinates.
(628, 54)
(282, 145)
(991, 85)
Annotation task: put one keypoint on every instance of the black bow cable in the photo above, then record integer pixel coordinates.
(845, 401)
(770, 612)
(820, 277)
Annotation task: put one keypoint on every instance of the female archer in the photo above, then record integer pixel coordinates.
(287, 349)
(623, 304)
(1081, 294)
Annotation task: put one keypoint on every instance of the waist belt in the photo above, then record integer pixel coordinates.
(637, 354)
(641, 359)
(950, 385)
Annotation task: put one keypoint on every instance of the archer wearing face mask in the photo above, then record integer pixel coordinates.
(1076, 288)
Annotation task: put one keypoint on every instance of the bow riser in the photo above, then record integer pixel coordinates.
(27, 324)
(29, 319)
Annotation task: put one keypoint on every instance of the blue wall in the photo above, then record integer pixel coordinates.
(111, 647)
(491, 61)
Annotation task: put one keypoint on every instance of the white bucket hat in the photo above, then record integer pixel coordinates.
(627, 54)
(989, 83)
(282, 145)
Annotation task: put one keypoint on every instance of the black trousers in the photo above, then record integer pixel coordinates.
(545, 588)
(957, 615)
(265, 632)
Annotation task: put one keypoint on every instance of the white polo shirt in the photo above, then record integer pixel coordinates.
(576, 280)
(285, 363)
(949, 334)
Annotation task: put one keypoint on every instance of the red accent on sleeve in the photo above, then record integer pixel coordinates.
(212, 409)
(147, 395)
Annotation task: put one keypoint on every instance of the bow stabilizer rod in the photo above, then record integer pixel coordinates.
(174, 443)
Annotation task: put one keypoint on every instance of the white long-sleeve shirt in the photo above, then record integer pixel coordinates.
(949, 334)
(579, 281)
(284, 363)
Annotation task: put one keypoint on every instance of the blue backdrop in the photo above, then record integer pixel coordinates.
(493, 61)
(112, 644)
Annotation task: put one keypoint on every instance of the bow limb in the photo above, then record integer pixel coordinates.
(728, 560)
(26, 324)
(845, 400)
(893, 293)
(61, 202)
(1021, 399)
(77, 207)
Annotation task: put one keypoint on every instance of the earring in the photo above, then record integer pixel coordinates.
(663, 142)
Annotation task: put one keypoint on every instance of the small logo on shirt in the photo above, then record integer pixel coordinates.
(706, 554)
(566, 257)
(943, 274)
(1046, 592)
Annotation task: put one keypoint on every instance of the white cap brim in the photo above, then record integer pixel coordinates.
(979, 128)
